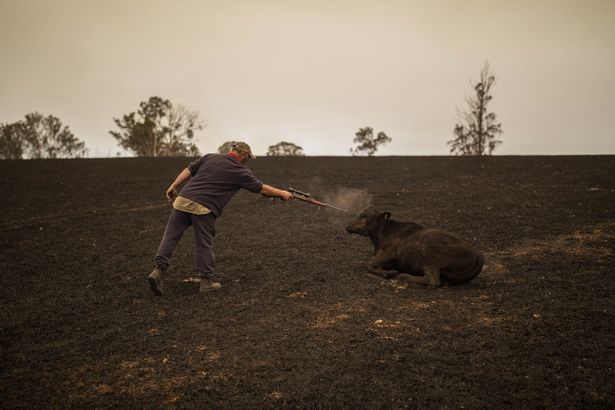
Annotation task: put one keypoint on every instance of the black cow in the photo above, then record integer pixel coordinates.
(430, 256)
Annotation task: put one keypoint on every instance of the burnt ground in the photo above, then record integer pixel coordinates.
(299, 322)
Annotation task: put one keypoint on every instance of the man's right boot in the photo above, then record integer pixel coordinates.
(155, 281)
(208, 284)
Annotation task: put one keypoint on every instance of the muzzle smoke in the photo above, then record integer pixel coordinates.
(351, 199)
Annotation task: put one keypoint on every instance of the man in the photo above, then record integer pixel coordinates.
(214, 180)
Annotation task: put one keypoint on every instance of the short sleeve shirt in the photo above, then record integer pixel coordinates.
(216, 179)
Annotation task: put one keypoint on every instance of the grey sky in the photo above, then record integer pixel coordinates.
(313, 72)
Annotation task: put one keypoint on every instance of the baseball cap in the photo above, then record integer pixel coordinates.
(241, 147)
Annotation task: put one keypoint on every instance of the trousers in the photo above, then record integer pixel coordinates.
(204, 233)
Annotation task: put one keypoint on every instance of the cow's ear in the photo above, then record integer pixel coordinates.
(387, 215)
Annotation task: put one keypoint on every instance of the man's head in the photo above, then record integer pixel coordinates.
(243, 150)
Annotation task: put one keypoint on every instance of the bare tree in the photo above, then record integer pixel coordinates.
(178, 128)
(159, 128)
(477, 131)
(285, 148)
(367, 142)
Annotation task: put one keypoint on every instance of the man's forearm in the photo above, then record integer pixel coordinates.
(181, 178)
(268, 190)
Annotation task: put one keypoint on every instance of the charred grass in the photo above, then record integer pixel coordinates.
(298, 321)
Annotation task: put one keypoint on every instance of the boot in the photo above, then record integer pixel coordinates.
(208, 284)
(155, 281)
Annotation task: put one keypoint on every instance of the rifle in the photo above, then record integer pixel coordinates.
(305, 197)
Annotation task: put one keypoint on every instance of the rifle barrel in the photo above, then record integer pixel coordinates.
(315, 202)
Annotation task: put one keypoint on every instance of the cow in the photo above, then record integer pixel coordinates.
(429, 256)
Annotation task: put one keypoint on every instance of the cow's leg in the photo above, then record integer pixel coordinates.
(431, 277)
(381, 266)
(419, 280)
(432, 273)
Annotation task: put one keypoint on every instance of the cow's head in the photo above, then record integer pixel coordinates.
(367, 222)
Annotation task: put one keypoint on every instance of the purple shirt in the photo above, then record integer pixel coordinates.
(215, 179)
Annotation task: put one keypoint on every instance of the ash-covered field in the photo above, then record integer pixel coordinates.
(299, 322)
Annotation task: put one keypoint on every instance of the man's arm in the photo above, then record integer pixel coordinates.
(270, 191)
(181, 178)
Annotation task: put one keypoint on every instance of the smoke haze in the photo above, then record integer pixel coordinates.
(351, 199)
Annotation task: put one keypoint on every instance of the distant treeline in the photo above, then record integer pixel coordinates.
(161, 129)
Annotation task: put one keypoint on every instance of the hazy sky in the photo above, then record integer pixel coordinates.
(313, 72)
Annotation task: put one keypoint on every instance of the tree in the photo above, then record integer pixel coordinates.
(226, 147)
(159, 128)
(285, 149)
(39, 137)
(366, 142)
(478, 129)
(11, 141)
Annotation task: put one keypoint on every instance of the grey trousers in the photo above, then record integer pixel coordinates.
(204, 233)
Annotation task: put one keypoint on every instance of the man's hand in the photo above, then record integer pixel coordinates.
(285, 195)
(171, 193)
(271, 192)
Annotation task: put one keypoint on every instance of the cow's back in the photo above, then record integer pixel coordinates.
(456, 259)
